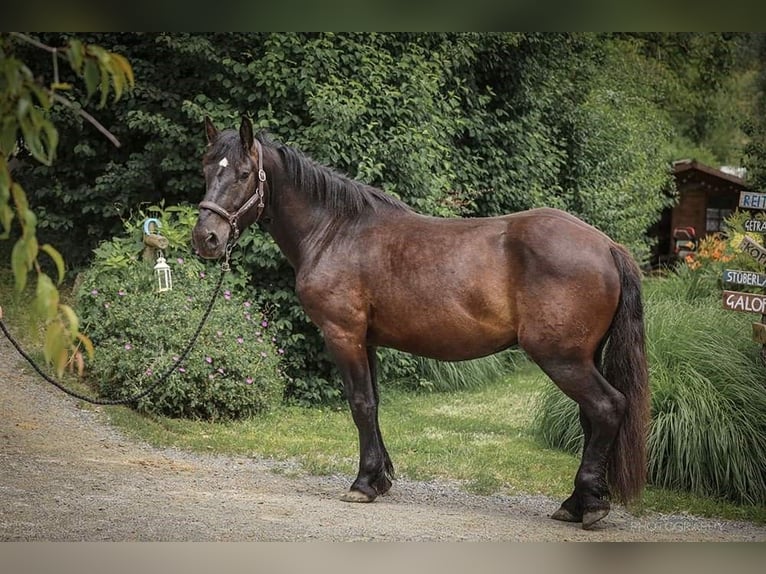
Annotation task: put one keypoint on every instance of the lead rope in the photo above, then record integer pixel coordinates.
(182, 357)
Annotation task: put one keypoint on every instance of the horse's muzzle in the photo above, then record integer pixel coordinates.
(208, 242)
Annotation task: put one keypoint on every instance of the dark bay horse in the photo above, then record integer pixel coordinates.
(370, 272)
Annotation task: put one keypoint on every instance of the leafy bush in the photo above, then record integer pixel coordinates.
(232, 371)
(708, 431)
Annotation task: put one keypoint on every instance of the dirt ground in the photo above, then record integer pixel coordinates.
(66, 475)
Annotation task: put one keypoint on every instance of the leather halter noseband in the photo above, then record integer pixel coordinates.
(232, 218)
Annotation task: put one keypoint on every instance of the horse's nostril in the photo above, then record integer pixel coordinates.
(212, 240)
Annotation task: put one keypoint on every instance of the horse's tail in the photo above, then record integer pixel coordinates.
(624, 366)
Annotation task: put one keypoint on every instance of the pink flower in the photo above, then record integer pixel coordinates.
(94, 292)
(201, 274)
(240, 340)
(281, 351)
(264, 323)
(148, 372)
(209, 360)
(181, 370)
(249, 380)
(180, 260)
(121, 293)
(247, 303)
(227, 294)
(128, 346)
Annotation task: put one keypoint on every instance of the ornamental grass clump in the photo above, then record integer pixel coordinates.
(233, 370)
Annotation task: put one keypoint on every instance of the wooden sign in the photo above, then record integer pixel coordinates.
(753, 249)
(756, 225)
(759, 333)
(752, 200)
(744, 278)
(747, 302)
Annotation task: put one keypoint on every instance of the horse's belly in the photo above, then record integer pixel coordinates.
(445, 336)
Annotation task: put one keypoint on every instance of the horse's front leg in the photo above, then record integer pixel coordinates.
(356, 364)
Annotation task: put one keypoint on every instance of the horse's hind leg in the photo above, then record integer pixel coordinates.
(571, 508)
(601, 410)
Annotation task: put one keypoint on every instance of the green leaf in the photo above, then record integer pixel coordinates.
(54, 341)
(19, 264)
(47, 297)
(19, 197)
(57, 342)
(30, 222)
(92, 76)
(57, 259)
(88, 344)
(6, 217)
(124, 66)
(72, 320)
(5, 180)
(104, 88)
(74, 54)
(8, 135)
(118, 79)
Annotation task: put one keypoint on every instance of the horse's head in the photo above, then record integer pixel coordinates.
(234, 181)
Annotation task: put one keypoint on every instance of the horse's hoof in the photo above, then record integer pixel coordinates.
(356, 496)
(565, 516)
(591, 517)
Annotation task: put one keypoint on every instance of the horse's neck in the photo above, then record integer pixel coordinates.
(298, 226)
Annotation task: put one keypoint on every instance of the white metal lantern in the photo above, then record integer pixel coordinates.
(164, 277)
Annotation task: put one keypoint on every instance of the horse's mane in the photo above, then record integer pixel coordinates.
(337, 192)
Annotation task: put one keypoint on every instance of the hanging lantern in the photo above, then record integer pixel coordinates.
(164, 277)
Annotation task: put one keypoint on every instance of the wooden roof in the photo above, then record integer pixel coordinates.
(689, 170)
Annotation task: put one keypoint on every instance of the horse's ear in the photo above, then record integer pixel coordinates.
(246, 133)
(210, 130)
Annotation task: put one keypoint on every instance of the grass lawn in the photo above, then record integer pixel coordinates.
(479, 437)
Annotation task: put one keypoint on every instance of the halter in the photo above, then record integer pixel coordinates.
(233, 218)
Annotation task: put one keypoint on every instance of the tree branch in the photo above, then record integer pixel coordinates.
(62, 100)
(109, 135)
(35, 43)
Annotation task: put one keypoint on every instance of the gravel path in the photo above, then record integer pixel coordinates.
(65, 475)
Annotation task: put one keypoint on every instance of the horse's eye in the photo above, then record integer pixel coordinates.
(244, 175)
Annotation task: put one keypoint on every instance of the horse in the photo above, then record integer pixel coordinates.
(371, 272)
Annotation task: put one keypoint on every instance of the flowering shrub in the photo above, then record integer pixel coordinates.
(232, 371)
(712, 249)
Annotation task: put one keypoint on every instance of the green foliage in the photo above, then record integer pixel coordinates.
(26, 104)
(232, 371)
(755, 124)
(441, 376)
(704, 82)
(708, 431)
